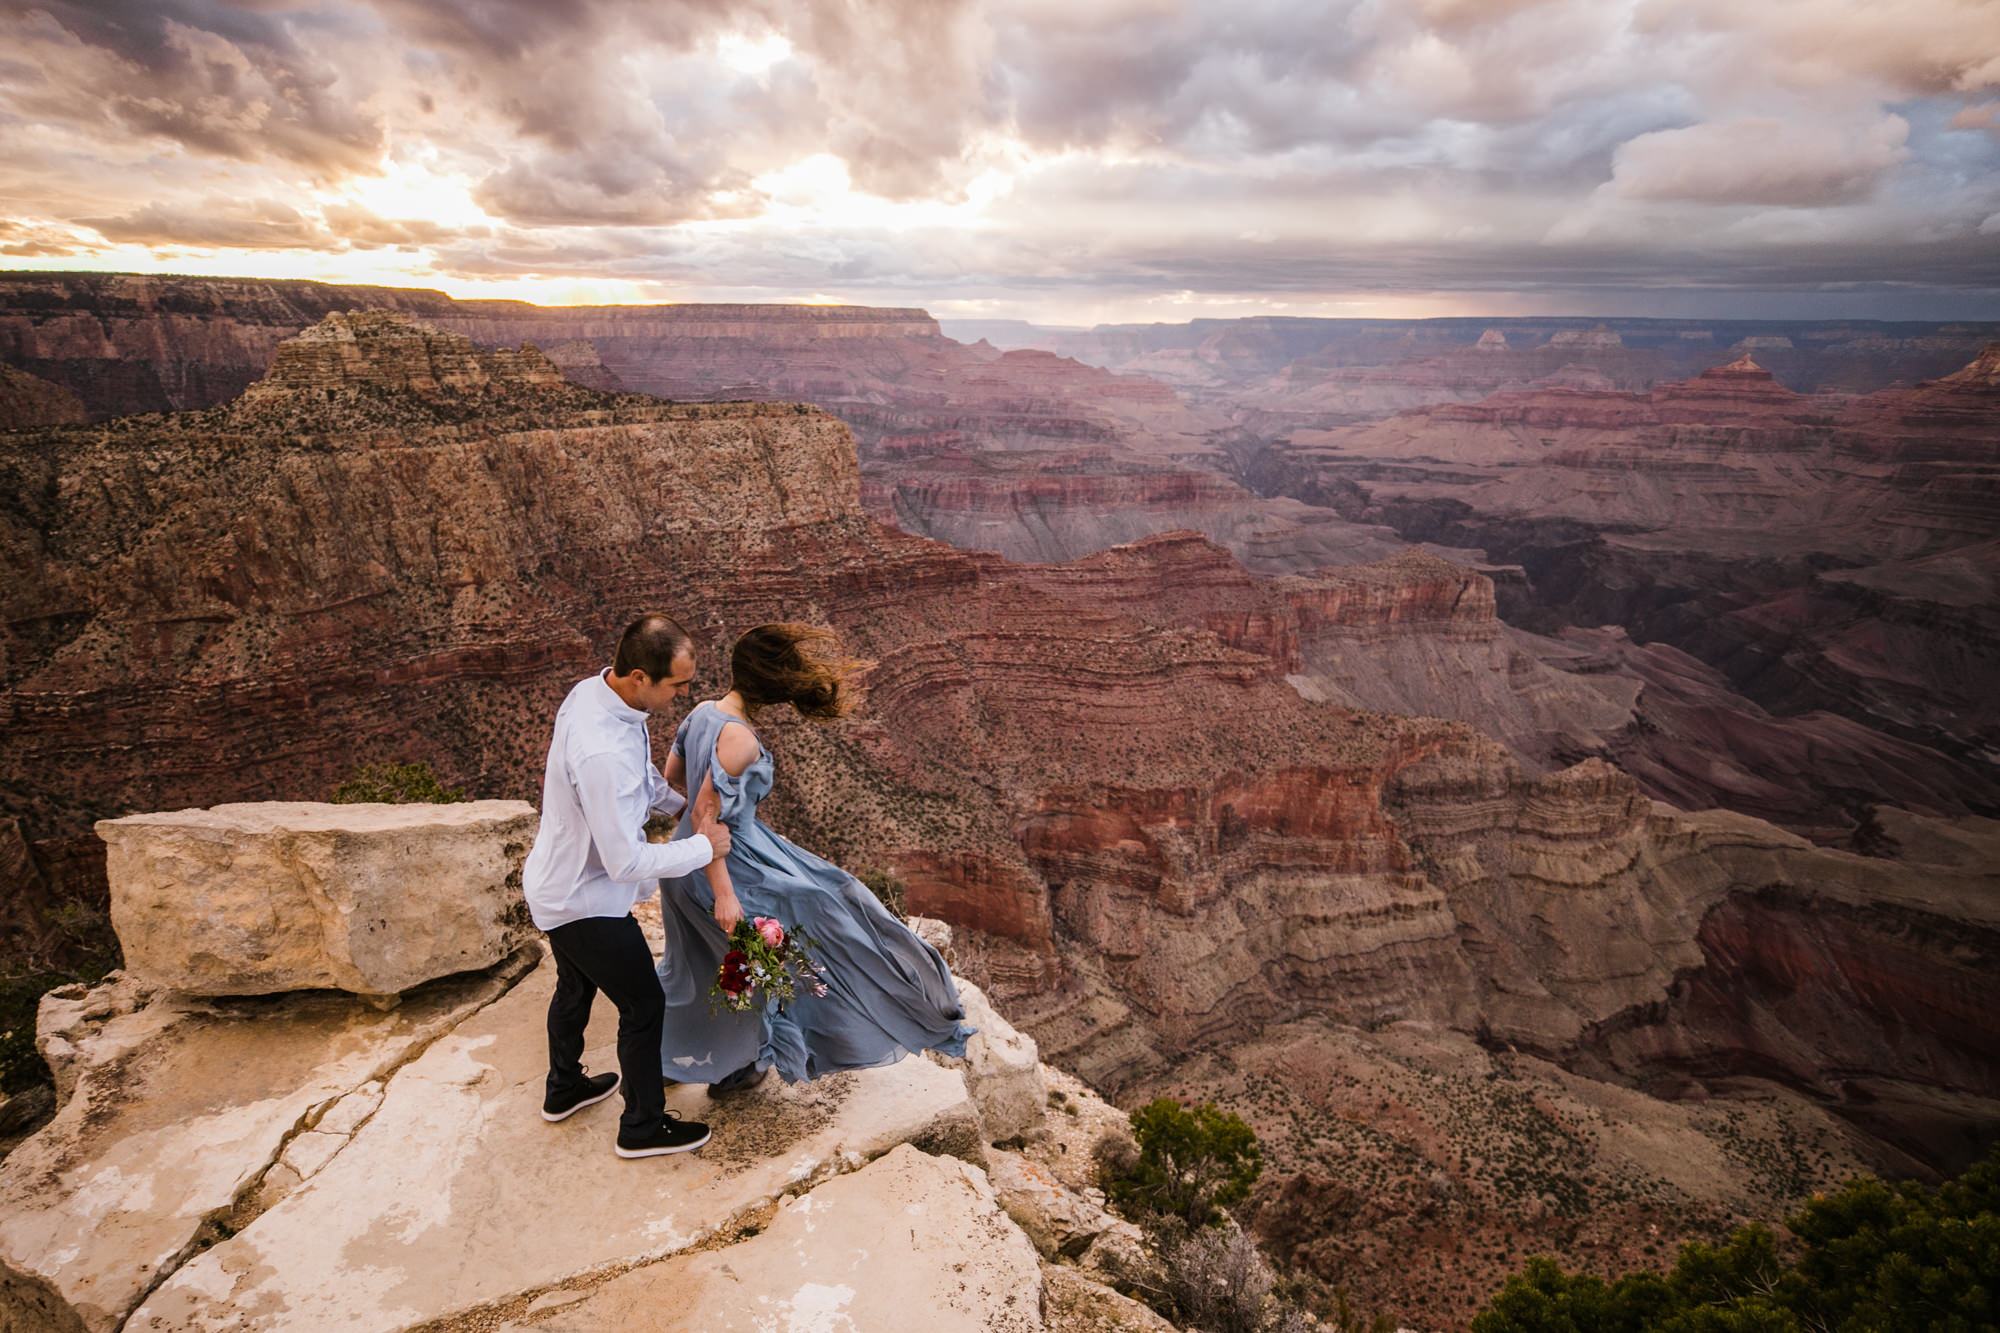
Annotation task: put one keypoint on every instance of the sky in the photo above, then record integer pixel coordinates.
(1060, 161)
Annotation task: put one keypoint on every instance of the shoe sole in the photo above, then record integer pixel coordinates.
(662, 1152)
(552, 1117)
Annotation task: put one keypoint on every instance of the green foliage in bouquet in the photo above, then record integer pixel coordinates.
(1192, 1162)
(766, 963)
(395, 784)
(1873, 1256)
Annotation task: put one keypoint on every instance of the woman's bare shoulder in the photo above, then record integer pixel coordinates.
(737, 747)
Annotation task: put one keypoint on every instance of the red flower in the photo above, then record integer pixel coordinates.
(735, 976)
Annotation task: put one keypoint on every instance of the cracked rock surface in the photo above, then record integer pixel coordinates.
(910, 1240)
(175, 1111)
(455, 1194)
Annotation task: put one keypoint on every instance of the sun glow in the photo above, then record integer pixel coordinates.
(417, 188)
(752, 55)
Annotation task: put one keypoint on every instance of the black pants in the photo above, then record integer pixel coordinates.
(609, 954)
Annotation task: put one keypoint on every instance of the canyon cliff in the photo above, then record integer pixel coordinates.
(1827, 561)
(1136, 781)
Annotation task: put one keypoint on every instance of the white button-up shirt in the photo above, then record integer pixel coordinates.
(591, 857)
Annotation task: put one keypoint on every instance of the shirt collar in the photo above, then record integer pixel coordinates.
(608, 700)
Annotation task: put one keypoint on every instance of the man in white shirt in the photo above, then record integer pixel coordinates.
(591, 864)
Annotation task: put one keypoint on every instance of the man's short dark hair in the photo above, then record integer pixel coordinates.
(651, 644)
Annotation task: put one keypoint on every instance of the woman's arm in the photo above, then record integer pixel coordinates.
(727, 910)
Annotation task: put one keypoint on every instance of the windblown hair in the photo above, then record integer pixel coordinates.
(773, 664)
(650, 644)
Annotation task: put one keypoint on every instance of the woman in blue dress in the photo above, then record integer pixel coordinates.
(888, 993)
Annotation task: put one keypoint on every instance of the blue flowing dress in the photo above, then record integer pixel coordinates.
(888, 992)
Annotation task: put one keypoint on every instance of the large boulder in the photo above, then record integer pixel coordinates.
(254, 899)
(1060, 1221)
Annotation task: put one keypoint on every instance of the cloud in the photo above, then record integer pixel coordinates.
(939, 150)
(1760, 160)
(212, 78)
(263, 224)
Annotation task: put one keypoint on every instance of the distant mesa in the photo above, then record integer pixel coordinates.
(1491, 341)
(581, 364)
(1599, 337)
(390, 352)
(1765, 342)
(1742, 365)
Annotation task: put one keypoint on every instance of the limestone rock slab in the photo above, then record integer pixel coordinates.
(910, 1241)
(1057, 1219)
(1073, 1303)
(1002, 1068)
(456, 1194)
(175, 1109)
(255, 898)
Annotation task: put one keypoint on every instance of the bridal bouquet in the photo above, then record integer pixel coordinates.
(765, 961)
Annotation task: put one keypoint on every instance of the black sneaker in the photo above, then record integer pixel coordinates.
(673, 1134)
(587, 1093)
(742, 1080)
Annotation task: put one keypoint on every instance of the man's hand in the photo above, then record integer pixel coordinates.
(707, 816)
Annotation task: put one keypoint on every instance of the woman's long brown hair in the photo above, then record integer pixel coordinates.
(772, 664)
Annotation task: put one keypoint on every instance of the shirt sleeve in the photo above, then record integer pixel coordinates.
(614, 802)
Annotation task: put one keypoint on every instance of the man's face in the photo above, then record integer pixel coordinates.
(659, 696)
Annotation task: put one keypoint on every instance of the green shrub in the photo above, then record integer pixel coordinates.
(887, 886)
(1873, 1256)
(1191, 1163)
(395, 784)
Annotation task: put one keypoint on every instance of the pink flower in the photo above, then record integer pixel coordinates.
(772, 932)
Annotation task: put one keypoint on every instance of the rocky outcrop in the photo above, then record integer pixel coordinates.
(26, 401)
(911, 1233)
(382, 352)
(306, 1160)
(261, 898)
(179, 1117)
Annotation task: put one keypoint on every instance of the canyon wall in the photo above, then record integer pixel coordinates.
(1120, 775)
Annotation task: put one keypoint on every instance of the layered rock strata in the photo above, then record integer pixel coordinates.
(1153, 840)
(1824, 559)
